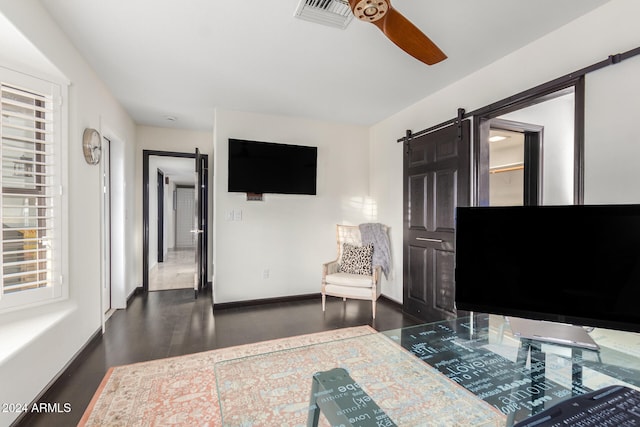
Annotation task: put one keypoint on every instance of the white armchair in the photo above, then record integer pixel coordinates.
(349, 275)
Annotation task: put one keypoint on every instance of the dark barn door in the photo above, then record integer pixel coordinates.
(436, 180)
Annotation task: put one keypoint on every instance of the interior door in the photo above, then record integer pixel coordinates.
(106, 224)
(160, 201)
(436, 180)
(200, 222)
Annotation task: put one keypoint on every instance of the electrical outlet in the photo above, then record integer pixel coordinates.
(265, 273)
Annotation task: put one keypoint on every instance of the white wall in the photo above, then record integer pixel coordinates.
(33, 364)
(557, 117)
(612, 142)
(175, 140)
(610, 96)
(289, 235)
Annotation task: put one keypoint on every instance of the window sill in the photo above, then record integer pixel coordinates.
(19, 328)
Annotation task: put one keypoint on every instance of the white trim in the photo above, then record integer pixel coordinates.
(118, 219)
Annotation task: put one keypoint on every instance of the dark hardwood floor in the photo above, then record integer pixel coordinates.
(172, 323)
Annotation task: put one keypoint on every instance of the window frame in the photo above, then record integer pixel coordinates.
(57, 286)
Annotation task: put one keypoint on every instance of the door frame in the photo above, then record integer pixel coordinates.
(481, 124)
(533, 144)
(145, 208)
(114, 228)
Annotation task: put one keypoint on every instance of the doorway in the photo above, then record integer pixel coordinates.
(175, 268)
(515, 163)
(551, 124)
(506, 168)
(170, 265)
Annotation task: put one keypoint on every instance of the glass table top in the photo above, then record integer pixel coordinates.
(469, 372)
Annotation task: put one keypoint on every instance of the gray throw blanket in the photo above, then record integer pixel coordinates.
(376, 235)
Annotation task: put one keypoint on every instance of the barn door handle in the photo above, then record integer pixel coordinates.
(425, 239)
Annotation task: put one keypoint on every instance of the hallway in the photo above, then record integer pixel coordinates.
(176, 272)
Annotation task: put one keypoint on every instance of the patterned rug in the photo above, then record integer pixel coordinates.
(273, 389)
(180, 391)
(269, 384)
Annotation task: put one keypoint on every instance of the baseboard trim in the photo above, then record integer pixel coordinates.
(136, 291)
(64, 373)
(391, 301)
(263, 301)
(303, 297)
(400, 307)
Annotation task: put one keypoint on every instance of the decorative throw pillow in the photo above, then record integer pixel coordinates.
(356, 259)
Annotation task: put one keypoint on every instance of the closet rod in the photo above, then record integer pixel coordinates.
(506, 169)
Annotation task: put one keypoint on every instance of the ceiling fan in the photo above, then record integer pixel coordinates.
(398, 29)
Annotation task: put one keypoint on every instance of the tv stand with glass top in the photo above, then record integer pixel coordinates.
(343, 402)
(457, 371)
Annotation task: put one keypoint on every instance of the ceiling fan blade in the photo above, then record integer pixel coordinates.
(409, 38)
(398, 29)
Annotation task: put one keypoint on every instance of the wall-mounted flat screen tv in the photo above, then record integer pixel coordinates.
(267, 167)
(571, 264)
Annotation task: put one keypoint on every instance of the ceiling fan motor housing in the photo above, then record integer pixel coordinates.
(369, 10)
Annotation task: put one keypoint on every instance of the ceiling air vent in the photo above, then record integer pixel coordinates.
(334, 13)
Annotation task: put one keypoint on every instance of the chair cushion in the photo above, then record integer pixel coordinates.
(349, 292)
(356, 259)
(348, 279)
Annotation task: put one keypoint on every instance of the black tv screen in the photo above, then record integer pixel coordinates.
(573, 264)
(267, 167)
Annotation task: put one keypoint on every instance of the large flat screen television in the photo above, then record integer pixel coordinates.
(267, 167)
(571, 264)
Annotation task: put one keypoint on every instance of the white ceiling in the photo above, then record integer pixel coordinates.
(179, 170)
(184, 58)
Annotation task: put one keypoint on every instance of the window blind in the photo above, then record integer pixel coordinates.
(29, 190)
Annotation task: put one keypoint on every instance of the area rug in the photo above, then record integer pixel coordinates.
(269, 384)
(273, 389)
(181, 391)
